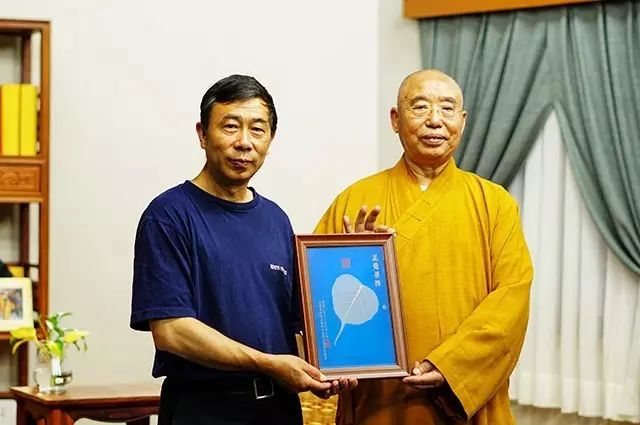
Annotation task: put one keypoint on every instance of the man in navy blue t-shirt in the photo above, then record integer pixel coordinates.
(214, 278)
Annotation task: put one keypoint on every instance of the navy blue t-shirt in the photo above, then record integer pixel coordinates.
(229, 265)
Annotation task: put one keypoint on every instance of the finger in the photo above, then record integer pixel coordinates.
(314, 373)
(353, 383)
(427, 386)
(348, 227)
(324, 395)
(343, 384)
(335, 388)
(429, 378)
(384, 229)
(416, 369)
(416, 380)
(412, 380)
(426, 367)
(369, 224)
(360, 219)
(434, 378)
(321, 394)
(423, 387)
(314, 385)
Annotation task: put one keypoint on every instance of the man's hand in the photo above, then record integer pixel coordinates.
(337, 386)
(424, 376)
(366, 223)
(296, 374)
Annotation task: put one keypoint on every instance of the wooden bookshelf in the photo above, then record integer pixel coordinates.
(24, 180)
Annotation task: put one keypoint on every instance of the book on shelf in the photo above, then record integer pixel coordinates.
(18, 119)
(28, 119)
(16, 271)
(10, 119)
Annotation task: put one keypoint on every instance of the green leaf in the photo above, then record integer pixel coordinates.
(60, 345)
(18, 344)
(74, 335)
(53, 348)
(24, 333)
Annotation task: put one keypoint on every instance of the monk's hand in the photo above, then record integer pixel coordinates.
(424, 376)
(337, 386)
(366, 223)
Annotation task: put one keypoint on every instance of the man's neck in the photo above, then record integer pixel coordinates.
(425, 173)
(233, 193)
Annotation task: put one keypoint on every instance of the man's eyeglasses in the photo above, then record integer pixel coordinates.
(425, 109)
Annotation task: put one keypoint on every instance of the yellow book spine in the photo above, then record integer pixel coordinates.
(28, 119)
(10, 119)
(16, 271)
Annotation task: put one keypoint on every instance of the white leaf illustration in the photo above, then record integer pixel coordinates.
(353, 302)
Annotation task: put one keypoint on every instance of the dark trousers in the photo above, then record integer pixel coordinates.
(227, 402)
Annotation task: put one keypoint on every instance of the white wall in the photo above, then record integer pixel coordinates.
(398, 56)
(126, 85)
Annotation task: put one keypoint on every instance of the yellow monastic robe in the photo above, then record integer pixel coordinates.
(465, 275)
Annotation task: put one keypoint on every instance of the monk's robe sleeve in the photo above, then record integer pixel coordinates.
(479, 356)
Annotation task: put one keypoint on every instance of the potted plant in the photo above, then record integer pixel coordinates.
(51, 344)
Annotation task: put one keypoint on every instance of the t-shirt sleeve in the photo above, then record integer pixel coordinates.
(162, 284)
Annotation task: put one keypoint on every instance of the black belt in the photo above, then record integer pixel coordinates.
(260, 388)
(255, 388)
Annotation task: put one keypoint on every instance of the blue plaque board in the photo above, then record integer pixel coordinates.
(351, 306)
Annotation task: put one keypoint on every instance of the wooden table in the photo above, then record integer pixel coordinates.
(130, 403)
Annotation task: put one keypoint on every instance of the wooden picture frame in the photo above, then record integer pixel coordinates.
(349, 293)
(16, 303)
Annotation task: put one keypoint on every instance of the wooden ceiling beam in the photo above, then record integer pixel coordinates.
(417, 9)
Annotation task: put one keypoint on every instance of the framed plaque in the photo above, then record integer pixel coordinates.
(16, 306)
(351, 306)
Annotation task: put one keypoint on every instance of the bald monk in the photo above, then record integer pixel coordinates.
(464, 268)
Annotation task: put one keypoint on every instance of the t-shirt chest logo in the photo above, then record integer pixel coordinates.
(279, 268)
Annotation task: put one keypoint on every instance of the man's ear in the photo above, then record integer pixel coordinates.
(394, 115)
(201, 135)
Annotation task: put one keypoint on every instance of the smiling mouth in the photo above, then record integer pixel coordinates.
(433, 139)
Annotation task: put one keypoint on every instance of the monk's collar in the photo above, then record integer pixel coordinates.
(402, 169)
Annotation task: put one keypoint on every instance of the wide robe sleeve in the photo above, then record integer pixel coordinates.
(479, 356)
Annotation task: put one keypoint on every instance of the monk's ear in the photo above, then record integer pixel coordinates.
(394, 114)
(464, 121)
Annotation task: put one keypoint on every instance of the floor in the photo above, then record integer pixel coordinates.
(317, 411)
(322, 412)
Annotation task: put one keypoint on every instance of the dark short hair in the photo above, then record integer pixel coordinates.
(236, 88)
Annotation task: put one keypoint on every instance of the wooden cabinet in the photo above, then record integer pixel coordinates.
(24, 180)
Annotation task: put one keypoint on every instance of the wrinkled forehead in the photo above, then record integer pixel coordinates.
(254, 108)
(436, 90)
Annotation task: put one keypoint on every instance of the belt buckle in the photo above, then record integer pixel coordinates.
(258, 394)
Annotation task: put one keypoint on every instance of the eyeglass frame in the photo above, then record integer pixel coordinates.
(431, 108)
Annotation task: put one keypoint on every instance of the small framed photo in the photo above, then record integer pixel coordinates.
(16, 305)
(351, 305)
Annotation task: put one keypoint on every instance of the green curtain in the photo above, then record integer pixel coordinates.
(499, 61)
(584, 62)
(595, 55)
